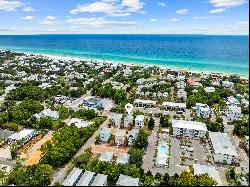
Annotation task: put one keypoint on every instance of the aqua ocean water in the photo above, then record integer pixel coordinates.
(211, 53)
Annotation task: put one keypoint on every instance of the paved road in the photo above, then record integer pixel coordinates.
(148, 163)
(61, 173)
(244, 159)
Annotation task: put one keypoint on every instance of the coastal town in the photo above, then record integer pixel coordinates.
(64, 122)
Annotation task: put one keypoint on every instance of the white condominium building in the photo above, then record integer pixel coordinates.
(144, 103)
(190, 129)
(223, 150)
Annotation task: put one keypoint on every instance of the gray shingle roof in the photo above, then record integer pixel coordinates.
(125, 180)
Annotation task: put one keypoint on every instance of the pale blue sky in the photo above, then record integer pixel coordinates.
(124, 16)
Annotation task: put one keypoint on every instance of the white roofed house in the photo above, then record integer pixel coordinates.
(209, 89)
(106, 156)
(232, 101)
(128, 120)
(182, 94)
(132, 136)
(25, 135)
(190, 129)
(48, 113)
(227, 84)
(125, 180)
(139, 121)
(222, 149)
(199, 169)
(144, 103)
(116, 119)
(123, 158)
(120, 136)
(202, 110)
(105, 134)
(73, 178)
(234, 113)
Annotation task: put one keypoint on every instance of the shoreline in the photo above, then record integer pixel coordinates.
(164, 67)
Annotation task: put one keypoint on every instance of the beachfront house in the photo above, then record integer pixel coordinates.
(132, 136)
(105, 134)
(128, 120)
(144, 103)
(106, 156)
(234, 113)
(116, 119)
(202, 110)
(25, 135)
(125, 180)
(174, 106)
(120, 135)
(222, 149)
(123, 158)
(191, 129)
(73, 178)
(139, 121)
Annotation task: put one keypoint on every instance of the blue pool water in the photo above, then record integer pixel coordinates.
(163, 149)
(226, 54)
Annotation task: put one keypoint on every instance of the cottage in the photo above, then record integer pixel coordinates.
(120, 135)
(123, 158)
(85, 179)
(227, 84)
(233, 113)
(73, 178)
(223, 150)
(100, 180)
(209, 89)
(116, 119)
(202, 110)
(182, 94)
(132, 136)
(203, 169)
(191, 129)
(25, 135)
(125, 180)
(48, 113)
(232, 101)
(128, 120)
(139, 121)
(105, 134)
(106, 156)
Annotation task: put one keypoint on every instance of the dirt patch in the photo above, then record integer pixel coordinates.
(97, 149)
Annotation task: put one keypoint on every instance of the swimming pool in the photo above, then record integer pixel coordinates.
(162, 154)
(163, 149)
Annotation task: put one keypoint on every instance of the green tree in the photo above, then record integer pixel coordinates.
(151, 123)
(141, 141)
